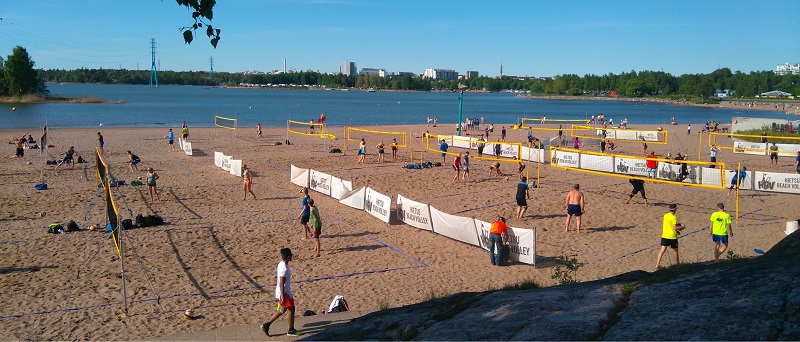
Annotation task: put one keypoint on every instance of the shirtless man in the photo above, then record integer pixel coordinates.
(248, 182)
(258, 131)
(575, 207)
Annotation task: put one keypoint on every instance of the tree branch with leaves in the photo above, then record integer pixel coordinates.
(202, 13)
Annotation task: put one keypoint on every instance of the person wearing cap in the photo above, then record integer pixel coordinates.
(498, 237)
(670, 229)
(465, 165)
(720, 228)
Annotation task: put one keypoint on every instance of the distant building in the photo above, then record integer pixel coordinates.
(471, 74)
(724, 94)
(372, 71)
(403, 73)
(776, 94)
(440, 74)
(788, 69)
(348, 68)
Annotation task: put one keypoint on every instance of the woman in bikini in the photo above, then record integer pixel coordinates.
(248, 182)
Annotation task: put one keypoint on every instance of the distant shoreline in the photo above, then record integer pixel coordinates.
(777, 105)
(29, 99)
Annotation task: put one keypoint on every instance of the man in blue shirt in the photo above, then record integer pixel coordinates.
(171, 138)
(522, 196)
(305, 214)
(738, 178)
(443, 148)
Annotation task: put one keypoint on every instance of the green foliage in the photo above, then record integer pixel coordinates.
(566, 270)
(202, 11)
(526, 284)
(733, 256)
(19, 76)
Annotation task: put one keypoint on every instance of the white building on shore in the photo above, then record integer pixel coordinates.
(440, 74)
(788, 69)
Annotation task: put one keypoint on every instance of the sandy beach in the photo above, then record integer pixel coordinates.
(217, 253)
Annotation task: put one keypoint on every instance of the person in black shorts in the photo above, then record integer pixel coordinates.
(68, 158)
(522, 196)
(638, 187)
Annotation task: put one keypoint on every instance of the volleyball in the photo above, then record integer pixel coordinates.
(43, 214)
(188, 314)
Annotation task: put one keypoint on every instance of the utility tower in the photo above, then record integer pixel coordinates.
(153, 69)
(211, 61)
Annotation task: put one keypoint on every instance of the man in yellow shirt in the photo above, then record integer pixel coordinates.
(670, 229)
(719, 229)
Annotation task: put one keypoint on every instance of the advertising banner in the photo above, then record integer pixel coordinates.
(522, 241)
(455, 227)
(787, 150)
(187, 148)
(355, 198)
(298, 176)
(180, 143)
(610, 134)
(414, 214)
(597, 163)
(319, 182)
(226, 163)
(218, 159)
(630, 166)
(647, 135)
(778, 182)
(340, 187)
(236, 167)
(565, 159)
(461, 142)
(506, 150)
(378, 205)
(626, 135)
(746, 147)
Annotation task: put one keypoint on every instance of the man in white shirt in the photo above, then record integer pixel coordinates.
(283, 293)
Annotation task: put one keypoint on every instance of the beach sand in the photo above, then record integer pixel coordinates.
(217, 254)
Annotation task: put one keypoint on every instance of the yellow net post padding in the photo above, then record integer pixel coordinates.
(223, 122)
(619, 165)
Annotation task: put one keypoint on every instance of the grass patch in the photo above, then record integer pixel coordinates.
(383, 305)
(566, 270)
(27, 99)
(527, 284)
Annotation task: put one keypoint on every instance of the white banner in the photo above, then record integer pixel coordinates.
(461, 142)
(522, 241)
(647, 135)
(787, 150)
(298, 176)
(236, 167)
(378, 205)
(565, 159)
(187, 148)
(455, 227)
(711, 176)
(597, 163)
(354, 199)
(747, 147)
(610, 134)
(630, 166)
(218, 159)
(226, 163)
(535, 155)
(180, 143)
(667, 171)
(747, 184)
(414, 214)
(340, 187)
(778, 182)
(506, 150)
(626, 135)
(319, 182)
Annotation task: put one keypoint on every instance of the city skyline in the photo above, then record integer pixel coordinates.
(529, 39)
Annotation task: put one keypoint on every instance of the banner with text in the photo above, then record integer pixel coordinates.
(226, 162)
(413, 213)
(340, 187)
(187, 148)
(355, 198)
(319, 182)
(378, 205)
(778, 182)
(522, 241)
(630, 166)
(746, 147)
(747, 184)
(565, 159)
(787, 150)
(455, 227)
(298, 176)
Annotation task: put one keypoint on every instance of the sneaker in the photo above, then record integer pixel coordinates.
(293, 332)
(265, 328)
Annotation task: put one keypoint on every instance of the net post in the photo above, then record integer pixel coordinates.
(738, 182)
(700, 146)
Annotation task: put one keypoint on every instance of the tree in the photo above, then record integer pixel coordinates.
(3, 88)
(19, 76)
(202, 10)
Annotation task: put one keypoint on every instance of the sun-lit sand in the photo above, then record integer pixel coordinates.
(217, 253)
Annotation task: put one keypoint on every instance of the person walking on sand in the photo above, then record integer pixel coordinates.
(362, 151)
(171, 139)
(738, 178)
(714, 151)
(575, 207)
(100, 143)
(305, 213)
(133, 160)
(429, 121)
(523, 195)
(498, 237)
(644, 146)
(773, 155)
(247, 184)
(283, 293)
(68, 158)
(638, 187)
(152, 177)
(443, 147)
(185, 131)
(498, 149)
(381, 151)
(503, 134)
(689, 130)
(394, 149)
(670, 228)
(258, 131)
(457, 166)
(435, 121)
(720, 228)
(465, 165)
(316, 224)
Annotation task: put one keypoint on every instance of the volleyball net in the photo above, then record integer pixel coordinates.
(226, 123)
(374, 137)
(529, 122)
(621, 135)
(112, 213)
(308, 129)
(760, 144)
(677, 172)
(499, 151)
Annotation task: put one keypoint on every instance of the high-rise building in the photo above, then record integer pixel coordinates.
(440, 74)
(373, 71)
(348, 68)
(788, 69)
(471, 74)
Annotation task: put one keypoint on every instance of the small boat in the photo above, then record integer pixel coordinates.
(370, 90)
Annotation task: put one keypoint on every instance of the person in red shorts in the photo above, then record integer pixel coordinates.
(283, 293)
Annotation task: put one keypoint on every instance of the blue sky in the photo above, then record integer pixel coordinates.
(530, 38)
